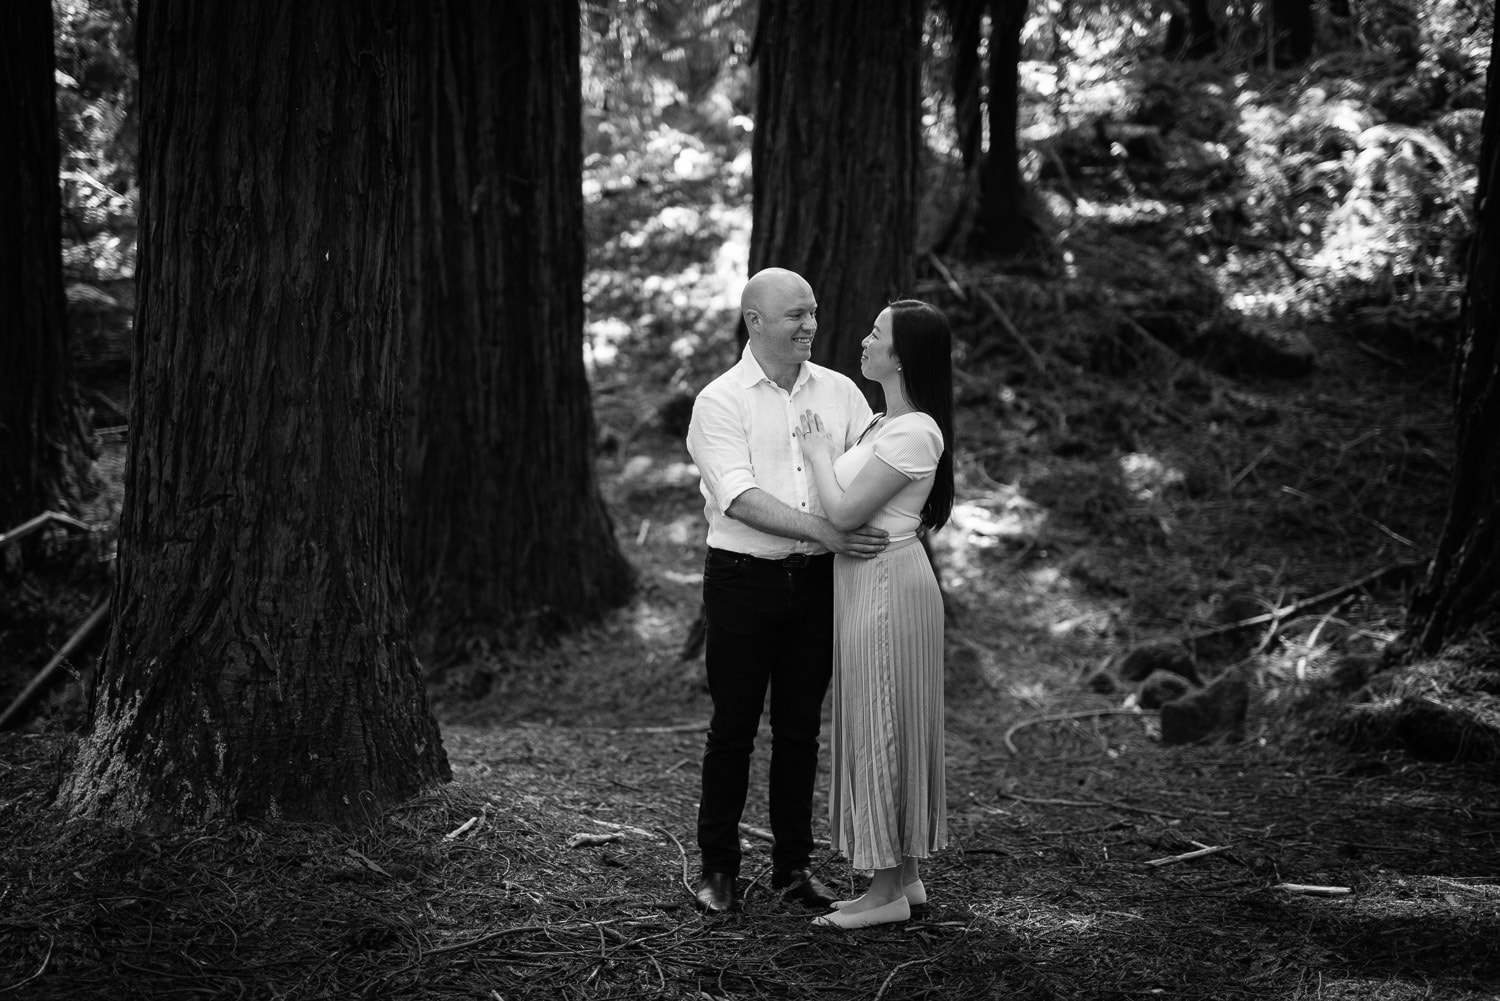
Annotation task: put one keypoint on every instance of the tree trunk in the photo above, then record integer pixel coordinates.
(44, 448)
(1190, 31)
(1462, 592)
(966, 19)
(835, 154)
(259, 664)
(505, 526)
(1003, 227)
(1295, 28)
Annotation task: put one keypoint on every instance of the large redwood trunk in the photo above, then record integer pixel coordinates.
(259, 663)
(505, 527)
(44, 449)
(835, 156)
(1462, 593)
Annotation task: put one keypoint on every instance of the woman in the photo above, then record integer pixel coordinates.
(887, 802)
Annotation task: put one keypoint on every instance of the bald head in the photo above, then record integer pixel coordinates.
(768, 289)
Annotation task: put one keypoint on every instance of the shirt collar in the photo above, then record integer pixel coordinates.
(751, 374)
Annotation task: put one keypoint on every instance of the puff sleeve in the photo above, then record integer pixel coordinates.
(911, 445)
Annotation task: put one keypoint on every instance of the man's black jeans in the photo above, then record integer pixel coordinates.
(770, 624)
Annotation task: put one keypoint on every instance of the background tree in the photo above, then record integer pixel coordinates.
(505, 526)
(259, 662)
(966, 27)
(1190, 30)
(1004, 226)
(1293, 28)
(44, 448)
(835, 153)
(1462, 593)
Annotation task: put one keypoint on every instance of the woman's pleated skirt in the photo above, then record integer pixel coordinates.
(888, 796)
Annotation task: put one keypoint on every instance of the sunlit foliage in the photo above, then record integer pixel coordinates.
(98, 133)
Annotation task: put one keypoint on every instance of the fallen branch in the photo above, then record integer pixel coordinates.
(1303, 495)
(1306, 603)
(942, 269)
(685, 884)
(1188, 856)
(32, 690)
(898, 968)
(1314, 891)
(39, 522)
(765, 835)
(591, 840)
(994, 307)
(1057, 718)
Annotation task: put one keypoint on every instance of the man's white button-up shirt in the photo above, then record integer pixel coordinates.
(743, 435)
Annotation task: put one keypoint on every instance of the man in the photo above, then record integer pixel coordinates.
(768, 581)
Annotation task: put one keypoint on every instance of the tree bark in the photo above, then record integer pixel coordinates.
(1462, 592)
(505, 526)
(1003, 227)
(259, 664)
(835, 155)
(44, 448)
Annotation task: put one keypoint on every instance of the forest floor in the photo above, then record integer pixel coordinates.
(557, 862)
(1111, 494)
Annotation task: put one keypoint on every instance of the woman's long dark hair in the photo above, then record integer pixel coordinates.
(923, 343)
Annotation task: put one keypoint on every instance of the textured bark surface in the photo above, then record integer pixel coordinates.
(1003, 227)
(505, 526)
(835, 155)
(44, 449)
(259, 663)
(1462, 593)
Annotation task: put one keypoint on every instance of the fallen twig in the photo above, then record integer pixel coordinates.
(1059, 717)
(1314, 891)
(1350, 511)
(942, 269)
(590, 840)
(1187, 856)
(685, 884)
(1010, 328)
(898, 968)
(41, 521)
(460, 829)
(1305, 603)
(19, 704)
(765, 835)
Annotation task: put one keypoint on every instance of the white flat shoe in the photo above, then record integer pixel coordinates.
(897, 910)
(916, 895)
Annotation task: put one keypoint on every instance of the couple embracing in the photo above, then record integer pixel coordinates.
(814, 571)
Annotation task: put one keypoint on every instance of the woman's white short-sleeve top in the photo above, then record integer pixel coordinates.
(911, 444)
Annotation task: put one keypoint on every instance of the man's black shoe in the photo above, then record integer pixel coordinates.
(802, 886)
(714, 892)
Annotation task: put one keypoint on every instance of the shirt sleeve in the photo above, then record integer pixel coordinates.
(911, 446)
(720, 447)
